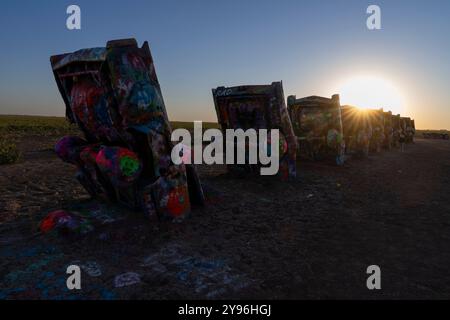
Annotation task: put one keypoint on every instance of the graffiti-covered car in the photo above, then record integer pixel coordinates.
(396, 130)
(376, 119)
(317, 124)
(407, 130)
(388, 130)
(412, 130)
(113, 95)
(357, 130)
(258, 107)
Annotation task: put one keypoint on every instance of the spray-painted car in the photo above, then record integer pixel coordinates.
(407, 129)
(411, 130)
(376, 118)
(357, 130)
(112, 93)
(388, 130)
(258, 107)
(396, 130)
(317, 124)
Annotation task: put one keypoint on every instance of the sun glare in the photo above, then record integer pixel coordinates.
(371, 93)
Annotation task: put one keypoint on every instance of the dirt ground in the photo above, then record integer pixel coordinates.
(311, 238)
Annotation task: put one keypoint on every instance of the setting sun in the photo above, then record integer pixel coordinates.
(371, 93)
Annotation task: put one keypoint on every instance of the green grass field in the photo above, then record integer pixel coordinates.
(41, 125)
(36, 125)
(18, 125)
(420, 132)
(14, 127)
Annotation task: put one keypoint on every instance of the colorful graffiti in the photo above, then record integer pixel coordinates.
(357, 130)
(317, 123)
(408, 129)
(258, 107)
(388, 130)
(371, 130)
(376, 119)
(396, 130)
(114, 97)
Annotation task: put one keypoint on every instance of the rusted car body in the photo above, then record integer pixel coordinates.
(258, 107)
(317, 123)
(357, 130)
(112, 93)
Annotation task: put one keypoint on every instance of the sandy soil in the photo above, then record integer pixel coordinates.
(256, 238)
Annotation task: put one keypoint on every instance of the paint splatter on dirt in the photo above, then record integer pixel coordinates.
(259, 238)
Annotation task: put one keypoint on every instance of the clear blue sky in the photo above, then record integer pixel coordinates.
(198, 45)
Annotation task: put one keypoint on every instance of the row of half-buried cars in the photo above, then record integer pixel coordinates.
(318, 128)
(113, 95)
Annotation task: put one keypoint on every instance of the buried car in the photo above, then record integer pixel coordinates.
(318, 126)
(257, 107)
(396, 130)
(412, 130)
(376, 119)
(113, 95)
(357, 130)
(407, 129)
(388, 130)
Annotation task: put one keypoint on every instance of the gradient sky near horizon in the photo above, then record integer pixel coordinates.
(312, 46)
